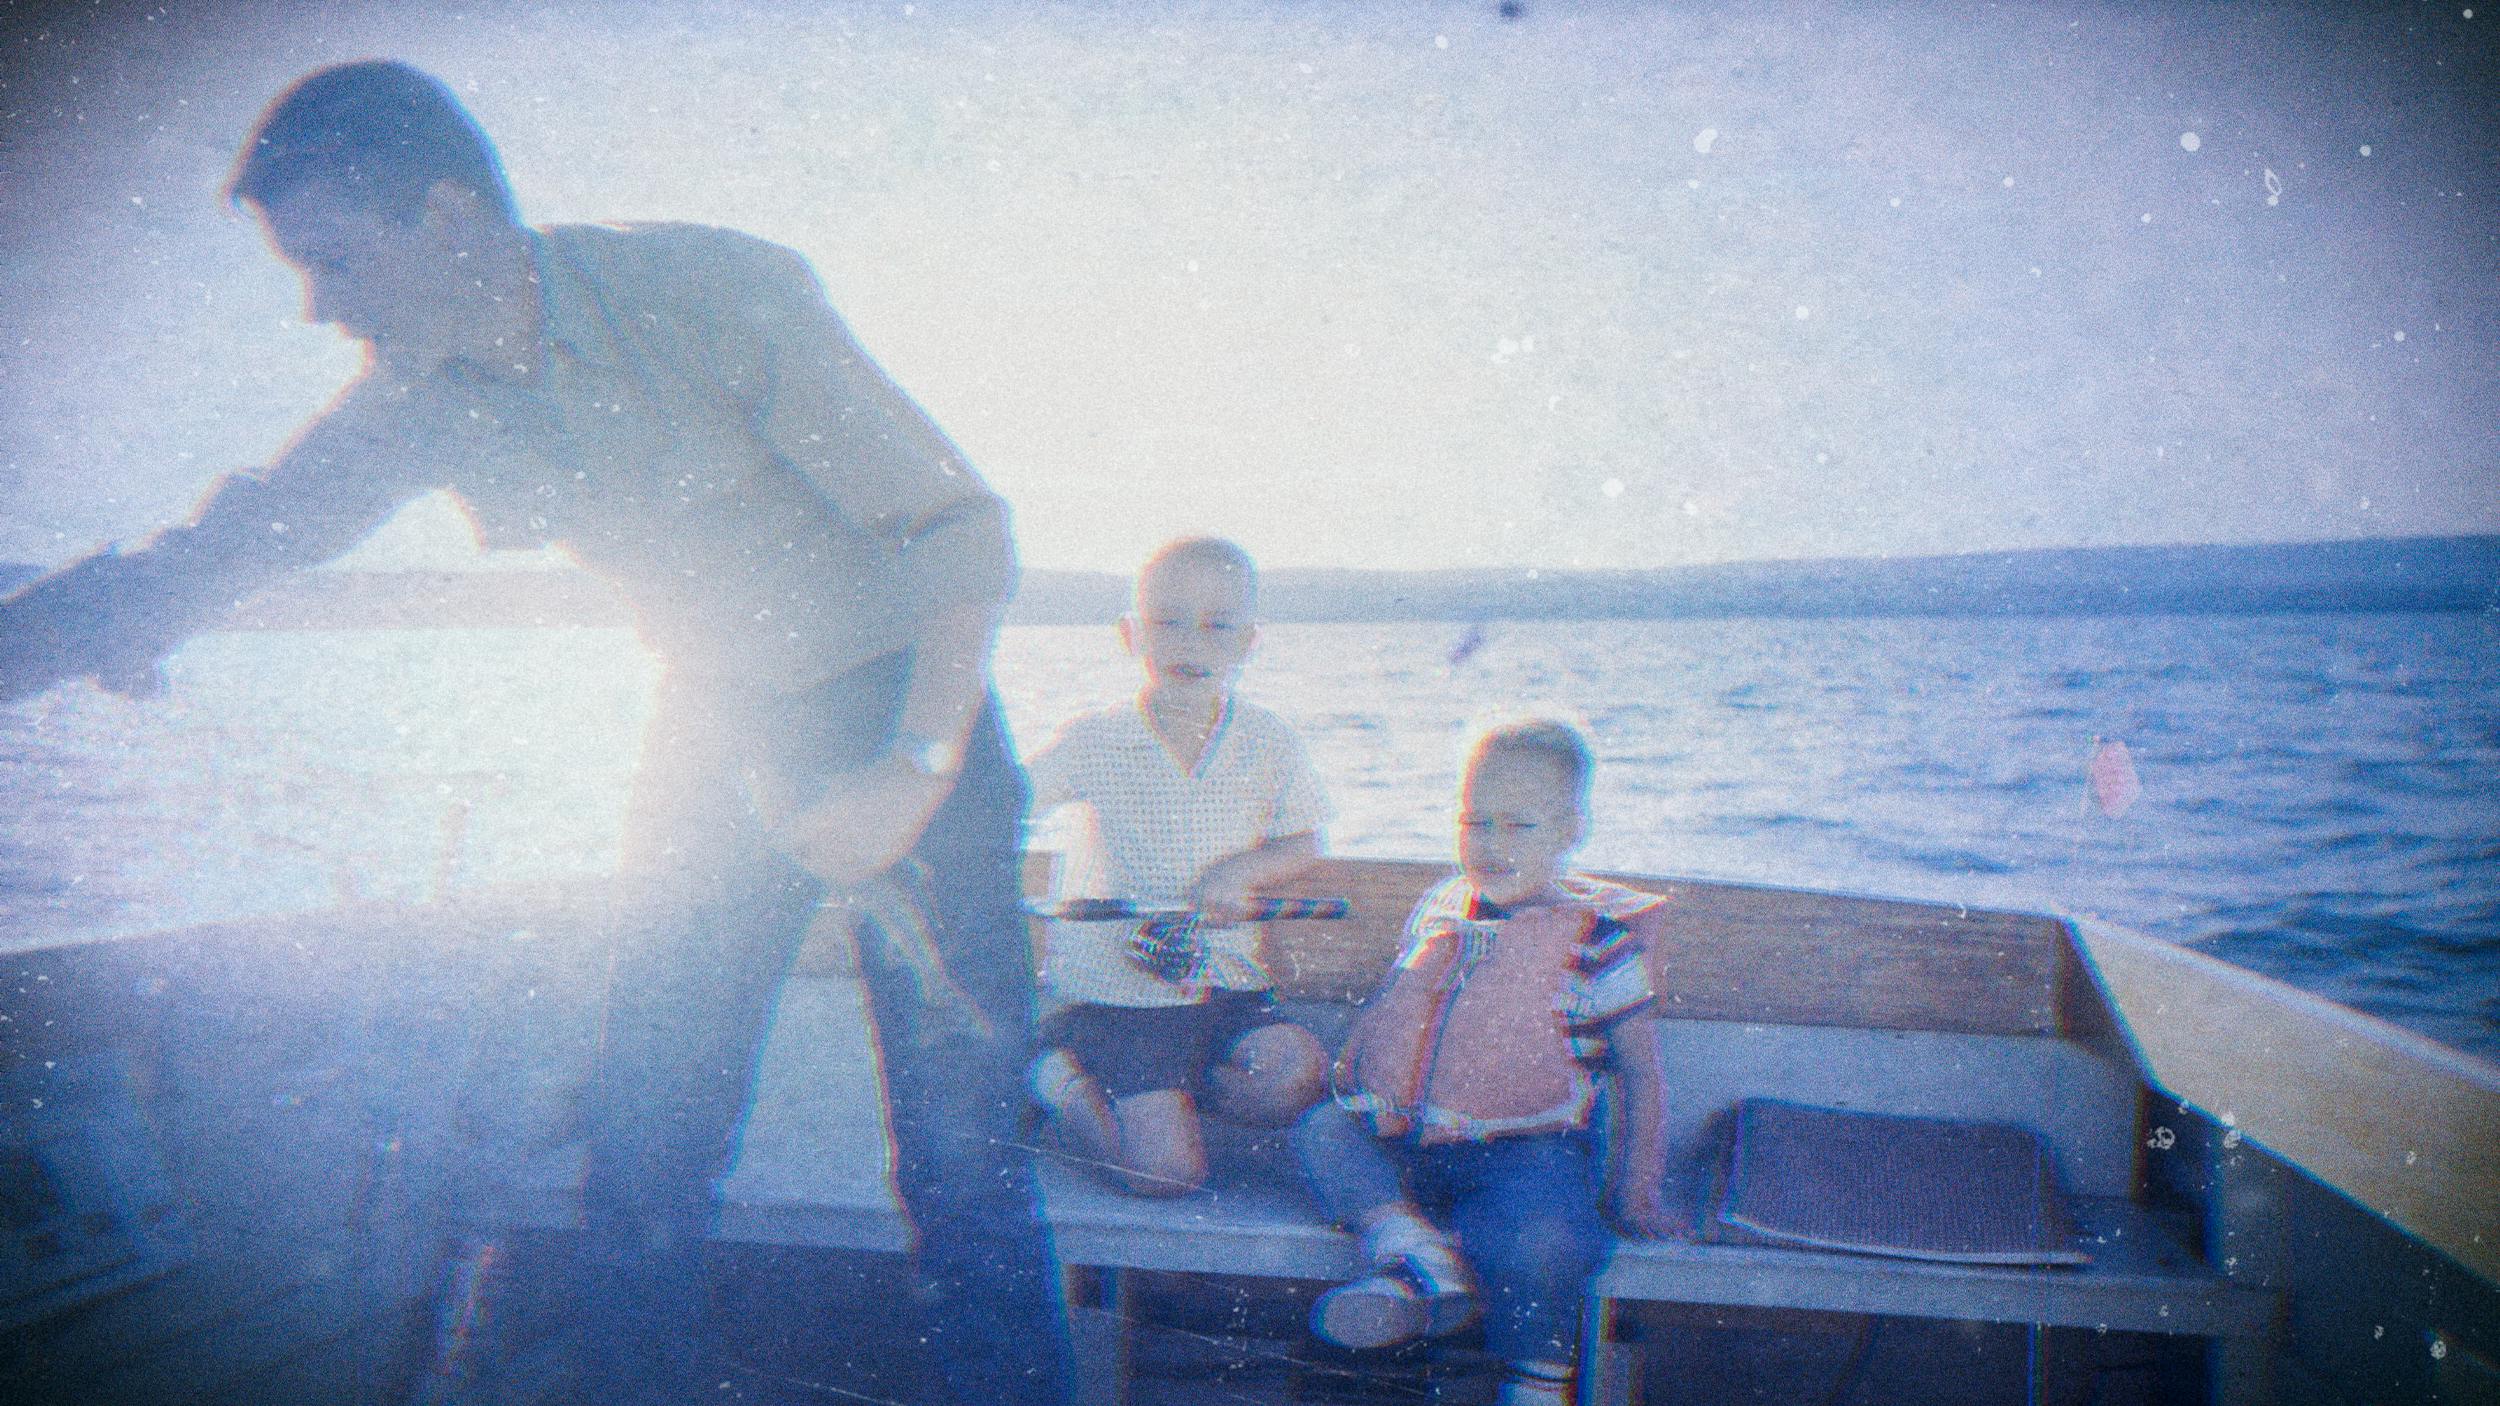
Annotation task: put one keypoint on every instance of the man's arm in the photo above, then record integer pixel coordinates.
(114, 616)
(835, 416)
(827, 409)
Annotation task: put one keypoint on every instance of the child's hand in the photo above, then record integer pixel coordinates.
(1641, 1208)
(1222, 894)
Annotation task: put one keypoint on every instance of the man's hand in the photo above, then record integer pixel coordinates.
(33, 638)
(863, 824)
(83, 621)
(138, 678)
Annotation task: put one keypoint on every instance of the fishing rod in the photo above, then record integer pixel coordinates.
(1262, 910)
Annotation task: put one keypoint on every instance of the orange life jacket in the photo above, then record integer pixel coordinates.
(1471, 1035)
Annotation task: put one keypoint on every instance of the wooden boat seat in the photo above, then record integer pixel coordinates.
(1843, 1001)
(813, 1170)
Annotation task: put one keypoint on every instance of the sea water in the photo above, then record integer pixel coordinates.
(2308, 795)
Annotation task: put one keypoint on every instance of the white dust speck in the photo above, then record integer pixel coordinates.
(1693, 184)
(2365, 151)
(2439, 1347)
(2035, 270)
(2147, 218)
(2274, 187)
(1440, 41)
(2189, 141)
(1692, 508)
(1804, 312)
(1896, 202)
(2008, 183)
(1703, 139)
(1612, 488)
(2400, 334)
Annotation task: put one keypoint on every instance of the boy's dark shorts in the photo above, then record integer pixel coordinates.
(1145, 1049)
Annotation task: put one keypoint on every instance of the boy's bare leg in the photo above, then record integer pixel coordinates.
(1079, 1112)
(1161, 1152)
(1271, 1076)
(1147, 1142)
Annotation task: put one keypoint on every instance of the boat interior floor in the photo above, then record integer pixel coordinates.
(802, 1326)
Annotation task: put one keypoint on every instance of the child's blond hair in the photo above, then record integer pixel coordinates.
(1552, 740)
(1216, 554)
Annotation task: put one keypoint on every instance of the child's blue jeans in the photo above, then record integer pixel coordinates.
(1523, 1210)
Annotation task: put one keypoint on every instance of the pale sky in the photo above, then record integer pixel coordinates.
(1398, 284)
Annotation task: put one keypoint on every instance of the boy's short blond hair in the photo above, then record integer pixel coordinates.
(1216, 554)
(1551, 740)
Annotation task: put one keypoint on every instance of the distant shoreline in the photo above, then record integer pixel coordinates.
(2370, 575)
(2365, 575)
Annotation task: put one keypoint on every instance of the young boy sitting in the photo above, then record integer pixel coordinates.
(1197, 798)
(1459, 1144)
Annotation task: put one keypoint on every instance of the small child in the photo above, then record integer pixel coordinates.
(1197, 798)
(1459, 1142)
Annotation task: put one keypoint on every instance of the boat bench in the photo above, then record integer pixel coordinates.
(1845, 1002)
(802, 1179)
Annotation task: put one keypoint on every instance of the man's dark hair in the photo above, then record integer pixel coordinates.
(378, 132)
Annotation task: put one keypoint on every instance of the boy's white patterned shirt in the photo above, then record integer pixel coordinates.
(1154, 828)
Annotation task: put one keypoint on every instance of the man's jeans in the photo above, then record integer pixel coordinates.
(691, 999)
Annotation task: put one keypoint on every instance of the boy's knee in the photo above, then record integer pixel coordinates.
(1273, 1074)
(1161, 1152)
(1167, 1171)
